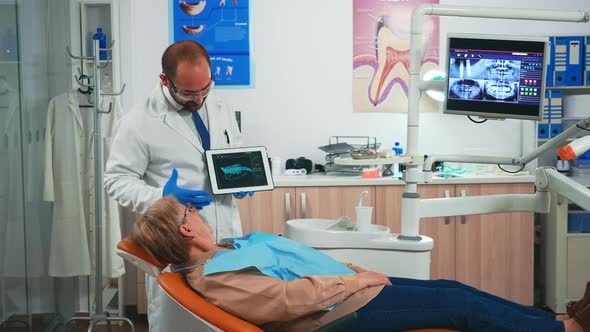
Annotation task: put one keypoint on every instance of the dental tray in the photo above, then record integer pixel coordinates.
(336, 148)
(363, 154)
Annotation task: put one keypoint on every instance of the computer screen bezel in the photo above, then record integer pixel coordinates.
(213, 176)
(507, 114)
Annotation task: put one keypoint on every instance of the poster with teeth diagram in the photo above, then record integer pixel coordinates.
(381, 55)
(223, 28)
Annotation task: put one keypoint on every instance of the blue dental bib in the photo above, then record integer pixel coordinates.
(275, 256)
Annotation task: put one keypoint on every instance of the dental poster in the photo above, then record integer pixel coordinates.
(381, 54)
(223, 28)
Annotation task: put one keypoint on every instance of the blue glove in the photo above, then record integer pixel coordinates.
(199, 198)
(242, 194)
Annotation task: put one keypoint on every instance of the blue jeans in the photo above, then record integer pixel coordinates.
(413, 304)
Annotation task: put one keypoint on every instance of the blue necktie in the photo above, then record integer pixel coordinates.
(203, 133)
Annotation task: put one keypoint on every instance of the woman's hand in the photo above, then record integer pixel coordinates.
(355, 268)
(371, 278)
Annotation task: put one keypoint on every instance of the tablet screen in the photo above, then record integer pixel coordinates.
(242, 169)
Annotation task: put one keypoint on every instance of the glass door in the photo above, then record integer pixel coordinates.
(13, 281)
(30, 300)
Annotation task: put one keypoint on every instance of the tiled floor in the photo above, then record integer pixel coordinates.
(40, 324)
(19, 323)
(139, 322)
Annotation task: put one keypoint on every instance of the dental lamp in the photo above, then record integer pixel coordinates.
(575, 148)
(418, 169)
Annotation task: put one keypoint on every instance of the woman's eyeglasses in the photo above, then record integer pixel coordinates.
(189, 208)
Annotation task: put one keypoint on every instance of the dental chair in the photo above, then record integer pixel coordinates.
(214, 317)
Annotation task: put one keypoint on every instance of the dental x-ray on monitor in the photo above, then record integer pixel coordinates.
(496, 76)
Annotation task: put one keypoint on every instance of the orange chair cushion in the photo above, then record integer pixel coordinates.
(138, 256)
(177, 288)
(130, 246)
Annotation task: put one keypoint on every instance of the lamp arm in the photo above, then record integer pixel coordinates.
(547, 178)
(459, 158)
(549, 145)
(556, 141)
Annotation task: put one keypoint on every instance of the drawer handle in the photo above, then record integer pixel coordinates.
(447, 218)
(303, 205)
(287, 206)
(463, 218)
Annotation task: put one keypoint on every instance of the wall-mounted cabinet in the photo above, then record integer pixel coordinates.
(88, 15)
(95, 14)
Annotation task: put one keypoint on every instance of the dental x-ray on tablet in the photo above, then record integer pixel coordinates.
(239, 169)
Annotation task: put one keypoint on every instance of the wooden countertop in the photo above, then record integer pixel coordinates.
(348, 180)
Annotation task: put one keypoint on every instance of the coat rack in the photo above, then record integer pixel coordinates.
(100, 315)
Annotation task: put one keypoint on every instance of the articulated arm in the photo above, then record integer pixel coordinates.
(547, 178)
(549, 145)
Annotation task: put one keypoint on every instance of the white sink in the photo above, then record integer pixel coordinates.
(341, 225)
(377, 250)
(331, 233)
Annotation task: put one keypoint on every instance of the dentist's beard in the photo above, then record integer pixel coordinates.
(194, 106)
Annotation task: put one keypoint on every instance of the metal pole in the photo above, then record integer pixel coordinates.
(97, 184)
(99, 314)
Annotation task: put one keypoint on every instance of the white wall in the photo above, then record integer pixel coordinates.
(302, 55)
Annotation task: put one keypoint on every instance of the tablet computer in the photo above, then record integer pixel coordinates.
(239, 169)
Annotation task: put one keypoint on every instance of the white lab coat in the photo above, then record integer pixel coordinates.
(151, 140)
(69, 184)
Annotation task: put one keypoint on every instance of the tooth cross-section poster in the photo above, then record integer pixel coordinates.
(223, 28)
(381, 54)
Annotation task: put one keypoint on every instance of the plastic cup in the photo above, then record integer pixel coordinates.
(277, 166)
(363, 218)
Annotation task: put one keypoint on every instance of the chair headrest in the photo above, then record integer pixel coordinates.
(132, 252)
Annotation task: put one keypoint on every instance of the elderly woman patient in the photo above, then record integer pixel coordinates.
(282, 285)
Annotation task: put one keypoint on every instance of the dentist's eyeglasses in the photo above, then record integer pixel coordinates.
(192, 95)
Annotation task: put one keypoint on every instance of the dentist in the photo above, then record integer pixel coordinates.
(159, 150)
